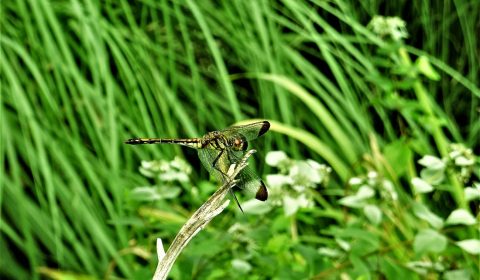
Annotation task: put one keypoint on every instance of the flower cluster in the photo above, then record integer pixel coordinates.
(166, 173)
(394, 27)
(367, 186)
(292, 186)
(460, 159)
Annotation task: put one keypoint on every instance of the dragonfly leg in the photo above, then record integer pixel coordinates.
(236, 200)
(214, 164)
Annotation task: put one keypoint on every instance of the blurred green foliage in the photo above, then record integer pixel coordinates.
(339, 85)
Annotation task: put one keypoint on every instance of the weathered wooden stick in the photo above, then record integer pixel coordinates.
(211, 208)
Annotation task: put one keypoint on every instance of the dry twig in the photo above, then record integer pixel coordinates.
(211, 208)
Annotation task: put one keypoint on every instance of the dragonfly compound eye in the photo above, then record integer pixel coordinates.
(240, 144)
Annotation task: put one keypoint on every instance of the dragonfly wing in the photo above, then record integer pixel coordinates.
(249, 131)
(252, 185)
(249, 182)
(208, 156)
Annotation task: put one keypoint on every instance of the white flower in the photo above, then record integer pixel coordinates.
(278, 180)
(175, 170)
(394, 27)
(472, 193)
(355, 181)
(303, 173)
(432, 162)
(421, 186)
(276, 158)
(291, 205)
(464, 161)
(389, 188)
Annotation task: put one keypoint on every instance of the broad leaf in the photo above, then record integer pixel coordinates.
(399, 156)
(471, 246)
(422, 212)
(428, 240)
(461, 217)
(373, 213)
(421, 186)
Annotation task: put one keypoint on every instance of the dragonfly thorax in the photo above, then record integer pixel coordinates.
(218, 141)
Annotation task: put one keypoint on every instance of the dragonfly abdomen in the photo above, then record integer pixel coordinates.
(195, 143)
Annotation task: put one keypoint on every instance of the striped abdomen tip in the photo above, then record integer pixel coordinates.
(134, 141)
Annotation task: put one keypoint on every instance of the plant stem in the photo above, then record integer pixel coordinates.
(438, 136)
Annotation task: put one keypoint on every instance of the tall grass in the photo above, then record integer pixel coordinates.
(78, 78)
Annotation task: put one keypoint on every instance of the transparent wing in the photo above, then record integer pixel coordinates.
(248, 182)
(249, 131)
(207, 156)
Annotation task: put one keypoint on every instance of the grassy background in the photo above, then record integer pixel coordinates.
(80, 77)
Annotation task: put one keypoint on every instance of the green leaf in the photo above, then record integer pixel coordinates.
(422, 212)
(358, 200)
(154, 193)
(432, 162)
(389, 191)
(169, 192)
(373, 213)
(423, 267)
(471, 246)
(461, 217)
(256, 207)
(424, 67)
(457, 274)
(399, 156)
(360, 268)
(207, 246)
(354, 181)
(428, 240)
(365, 192)
(352, 201)
(393, 270)
(358, 241)
(329, 252)
(463, 161)
(64, 275)
(278, 243)
(241, 266)
(345, 245)
(144, 194)
(472, 193)
(421, 186)
(433, 176)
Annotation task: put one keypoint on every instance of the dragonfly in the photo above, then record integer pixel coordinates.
(218, 150)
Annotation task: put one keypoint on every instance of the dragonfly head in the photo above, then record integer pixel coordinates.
(239, 144)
